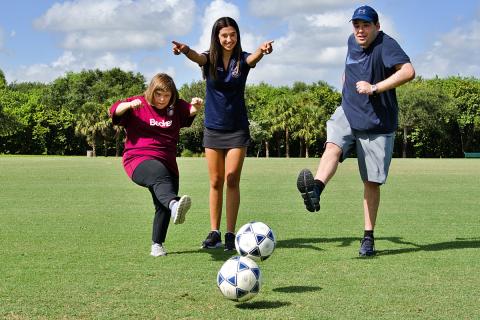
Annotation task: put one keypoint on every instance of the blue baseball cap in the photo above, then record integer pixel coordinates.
(365, 13)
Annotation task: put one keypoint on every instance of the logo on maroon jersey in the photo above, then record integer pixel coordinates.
(161, 124)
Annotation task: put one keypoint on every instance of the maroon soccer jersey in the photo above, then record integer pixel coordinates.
(151, 133)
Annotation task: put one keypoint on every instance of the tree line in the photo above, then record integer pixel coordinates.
(437, 117)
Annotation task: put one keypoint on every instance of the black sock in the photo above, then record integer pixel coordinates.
(320, 185)
(368, 233)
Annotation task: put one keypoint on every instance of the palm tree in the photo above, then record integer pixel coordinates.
(308, 120)
(282, 111)
(90, 124)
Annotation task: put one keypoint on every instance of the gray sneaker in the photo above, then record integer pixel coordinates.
(158, 250)
(308, 190)
(180, 209)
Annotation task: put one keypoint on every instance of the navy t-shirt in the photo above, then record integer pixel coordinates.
(225, 97)
(376, 113)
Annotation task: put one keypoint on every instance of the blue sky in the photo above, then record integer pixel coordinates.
(41, 40)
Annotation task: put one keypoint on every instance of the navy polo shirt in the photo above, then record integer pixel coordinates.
(225, 97)
(376, 113)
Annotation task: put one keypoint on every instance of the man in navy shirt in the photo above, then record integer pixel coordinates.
(367, 119)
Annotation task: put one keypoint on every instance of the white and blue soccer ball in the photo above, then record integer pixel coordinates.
(255, 240)
(239, 279)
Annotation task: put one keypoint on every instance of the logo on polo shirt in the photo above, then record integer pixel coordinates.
(161, 124)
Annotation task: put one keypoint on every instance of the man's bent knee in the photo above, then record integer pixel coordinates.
(332, 149)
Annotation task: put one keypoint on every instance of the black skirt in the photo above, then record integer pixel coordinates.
(226, 139)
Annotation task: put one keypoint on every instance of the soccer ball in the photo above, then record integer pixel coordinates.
(239, 279)
(255, 240)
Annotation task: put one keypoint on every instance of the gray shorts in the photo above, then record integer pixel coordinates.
(226, 139)
(374, 151)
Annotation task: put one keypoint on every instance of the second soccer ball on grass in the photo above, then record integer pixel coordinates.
(255, 240)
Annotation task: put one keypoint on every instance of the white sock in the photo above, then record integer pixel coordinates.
(171, 204)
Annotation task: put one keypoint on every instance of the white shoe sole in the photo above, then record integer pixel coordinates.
(163, 254)
(184, 205)
(218, 245)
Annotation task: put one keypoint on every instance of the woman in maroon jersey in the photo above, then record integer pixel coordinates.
(152, 122)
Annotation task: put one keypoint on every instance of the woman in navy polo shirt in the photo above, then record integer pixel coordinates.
(226, 136)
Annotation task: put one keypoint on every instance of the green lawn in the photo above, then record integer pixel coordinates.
(75, 240)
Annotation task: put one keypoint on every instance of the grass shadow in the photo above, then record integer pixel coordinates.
(263, 304)
(457, 244)
(217, 254)
(309, 243)
(312, 243)
(297, 289)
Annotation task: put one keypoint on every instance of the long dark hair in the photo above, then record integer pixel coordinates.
(215, 52)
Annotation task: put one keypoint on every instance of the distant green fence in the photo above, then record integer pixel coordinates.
(472, 154)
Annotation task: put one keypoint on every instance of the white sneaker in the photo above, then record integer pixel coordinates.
(180, 208)
(158, 250)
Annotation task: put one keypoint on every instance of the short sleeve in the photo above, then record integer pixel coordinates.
(184, 110)
(392, 53)
(120, 120)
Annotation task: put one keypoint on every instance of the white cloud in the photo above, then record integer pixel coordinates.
(282, 8)
(103, 34)
(64, 61)
(214, 11)
(109, 61)
(117, 40)
(39, 72)
(312, 49)
(70, 61)
(455, 53)
(118, 24)
(169, 70)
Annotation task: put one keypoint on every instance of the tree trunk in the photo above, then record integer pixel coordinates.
(117, 143)
(94, 147)
(287, 144)
(405, 142)
(306, 151)
(267, 150)
(461, 139)
(301, 148)
(279, 146)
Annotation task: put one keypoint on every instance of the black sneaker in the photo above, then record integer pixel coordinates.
(308, 190)
(367, 247)
(213, 240)
(229, 241)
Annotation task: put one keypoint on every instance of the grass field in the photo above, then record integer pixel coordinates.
(75, 240)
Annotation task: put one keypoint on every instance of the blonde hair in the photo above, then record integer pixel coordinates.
(161, 82)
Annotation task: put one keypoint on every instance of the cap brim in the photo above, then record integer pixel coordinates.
(363, 18)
